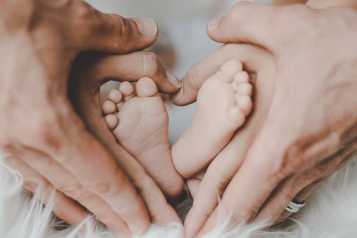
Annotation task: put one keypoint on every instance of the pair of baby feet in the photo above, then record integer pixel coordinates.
(140, 124)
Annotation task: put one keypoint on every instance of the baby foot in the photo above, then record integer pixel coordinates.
(223, 102)
(140, 125)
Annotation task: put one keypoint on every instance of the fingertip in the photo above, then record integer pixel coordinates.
(193, 223)
(213, 24)
(175, 98)
(186, 95)
(146, 26)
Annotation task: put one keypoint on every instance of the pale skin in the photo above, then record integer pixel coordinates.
(140, 124)
(223, 102)
(48, 140)
(27, 143)
(289, 150)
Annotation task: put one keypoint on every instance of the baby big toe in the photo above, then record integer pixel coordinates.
(109, 107)
(245, 104)
(229, 70)
(112, 121)
(146, 87)
(127, 90)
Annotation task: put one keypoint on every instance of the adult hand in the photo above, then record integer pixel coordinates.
(309, 132)
(205, 186)
(39, 40)
(90, 71)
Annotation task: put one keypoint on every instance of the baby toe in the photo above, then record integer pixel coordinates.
(245, 89)
(245, 104)
(127, 90)
(146, 87)
(109, 107)
(229, 70)
(112, 121)
(241, 77)
(115, 96)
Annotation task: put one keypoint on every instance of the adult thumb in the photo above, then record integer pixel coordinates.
(246, 22)
(111, 33)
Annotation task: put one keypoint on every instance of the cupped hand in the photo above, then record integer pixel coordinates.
(38, 125)
(309, 131)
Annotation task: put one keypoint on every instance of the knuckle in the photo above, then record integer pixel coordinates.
(98, 185)
(142, 182)
(83, 16)
(118, 26)
(45, 128)
(37, 185)
(75, 191)
(38, 131)
(123, 209)
(31, 186)
(151, 63)
(125, 29)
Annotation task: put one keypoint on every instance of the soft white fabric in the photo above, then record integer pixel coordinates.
(330, 212)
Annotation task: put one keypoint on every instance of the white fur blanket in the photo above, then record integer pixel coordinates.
(330, 212)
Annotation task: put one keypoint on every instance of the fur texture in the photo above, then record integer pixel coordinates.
(330, 212)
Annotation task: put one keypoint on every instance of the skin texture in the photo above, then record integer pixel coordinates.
(309, 131)
(222, 105)
(90, 71)
(141, 125)
(38, 125)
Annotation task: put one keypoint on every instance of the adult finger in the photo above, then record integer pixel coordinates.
(160, 211)
(68, 184)
(111, 33)
(65, 208)
(255, 180)
(99, 68)
(72, 146)
(227, 163)
(246, 22)
(96, 170)
(211, 188)
(300, 197)
(193, 185)
(266, 26)
(208, 66)
(298, 187)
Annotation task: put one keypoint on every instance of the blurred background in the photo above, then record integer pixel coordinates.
(182, 39)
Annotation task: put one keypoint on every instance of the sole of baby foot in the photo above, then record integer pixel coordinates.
(223, 103)
(140, 124)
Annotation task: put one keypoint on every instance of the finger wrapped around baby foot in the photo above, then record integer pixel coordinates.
(223, 103)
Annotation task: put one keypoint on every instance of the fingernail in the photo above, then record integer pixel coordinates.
(146, 26)
(177, 95)
(135, 229)
(214, 23)
(173, 79)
